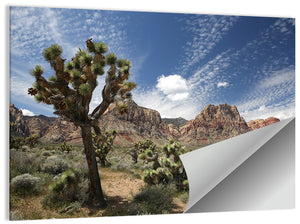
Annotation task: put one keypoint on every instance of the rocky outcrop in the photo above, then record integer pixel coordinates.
(259, 123)
(177, 122)
(61, 130)
(138, 124)
(16, 116)
(37, 126)
(213, 124)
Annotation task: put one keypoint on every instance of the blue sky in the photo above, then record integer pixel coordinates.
(181, 62)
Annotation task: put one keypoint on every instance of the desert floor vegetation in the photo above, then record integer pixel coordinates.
(47, 182)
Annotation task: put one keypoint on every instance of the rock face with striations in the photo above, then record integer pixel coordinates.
(61, 130)
(213, 124)
(259, 123)
(38, 125)
(16, 117)
(138, 124)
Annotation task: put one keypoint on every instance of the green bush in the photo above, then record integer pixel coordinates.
(22, 162)
(16, 142)
(70, 187)
(25, 184)
(55, 165)
(156, 199)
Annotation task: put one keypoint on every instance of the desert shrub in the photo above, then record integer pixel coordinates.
(14, 215)
(156, 199)
(32, 140)
(121, 167)
(25, 148)
(184, 197)
(55, 165)
(16, 142)
(22, 162)
(25, 184)
(71, 208)
(69, 187)
(46, 153)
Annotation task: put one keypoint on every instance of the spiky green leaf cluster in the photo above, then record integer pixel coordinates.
(111, 58)
(52, 78)
(85, 89)
(85, 58)
(98, 69)
(129, 85)
(70, 65)
(37, 71)
(100, 48)
(52, 52)
(123, 62)
(122, 108)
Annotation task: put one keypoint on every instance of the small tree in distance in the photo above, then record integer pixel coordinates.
(70, 92)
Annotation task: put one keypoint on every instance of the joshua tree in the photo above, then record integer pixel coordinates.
(103, 145)
(166, 167)
(140, 147)
(70, 92)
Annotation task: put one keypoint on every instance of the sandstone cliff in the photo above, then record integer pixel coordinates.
(213, 124)
(259, 123)
(16, 117)
(138, 124)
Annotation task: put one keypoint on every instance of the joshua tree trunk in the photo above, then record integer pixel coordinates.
(96, 194)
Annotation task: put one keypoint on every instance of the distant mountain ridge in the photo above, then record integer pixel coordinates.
(212, 124)
(178, 122)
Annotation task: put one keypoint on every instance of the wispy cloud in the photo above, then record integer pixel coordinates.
(279, 111)
(275, 94)
(206, 32)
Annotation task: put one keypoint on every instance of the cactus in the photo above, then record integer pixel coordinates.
(70, 92)
(167, 167)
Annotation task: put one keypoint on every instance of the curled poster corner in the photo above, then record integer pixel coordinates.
(232, 176)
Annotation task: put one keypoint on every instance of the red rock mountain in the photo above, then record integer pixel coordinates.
(138, 124)
(213, 124)
(16, 117)
(259, 123)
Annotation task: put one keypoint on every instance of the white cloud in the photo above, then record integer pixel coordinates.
(156, 100)
(173, 86)
(27, 112)
(222, 84)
